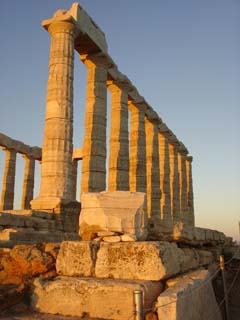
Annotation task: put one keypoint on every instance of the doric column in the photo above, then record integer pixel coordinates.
(56, 169)
(153, 174)
(74, 178)
(183, 185)
(94, 144)
(138, 177)
(118, 175)
(77, 156)
(28, 182)
(174, 183)
(164, 178)
(190, 203)
(8, 184)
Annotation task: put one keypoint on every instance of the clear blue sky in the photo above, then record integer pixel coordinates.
(184, 58)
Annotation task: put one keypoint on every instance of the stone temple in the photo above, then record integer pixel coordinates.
(136, 229)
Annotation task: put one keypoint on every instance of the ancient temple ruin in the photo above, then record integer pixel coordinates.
(144, 191)
(146, 157)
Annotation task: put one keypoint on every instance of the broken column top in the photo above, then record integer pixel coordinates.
(119, 211)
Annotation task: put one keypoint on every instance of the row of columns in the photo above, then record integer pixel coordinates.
(8, 182)
(153, 165)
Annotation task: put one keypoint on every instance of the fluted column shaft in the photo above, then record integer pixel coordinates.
(74, 178)
(164, 178)
(153, 174)
(174, 183)
(28, 182)
(94, 144)
(183, 186)
(138, 177)
(190, 202)
(8, 183)
(118, 175)
(56, 169)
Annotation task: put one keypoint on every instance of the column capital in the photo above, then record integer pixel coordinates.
(113, 86)
(189, 158)
(122, 83)
(26, 156)
(11, 150)
(182, 149)
(99, 59)
(62, 21)
(152, 116)
(134, 107)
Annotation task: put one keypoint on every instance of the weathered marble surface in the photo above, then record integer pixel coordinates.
(104, 299)
(119, 211)
(192, 294)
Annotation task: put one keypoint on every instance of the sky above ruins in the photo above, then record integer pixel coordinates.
(183, 56)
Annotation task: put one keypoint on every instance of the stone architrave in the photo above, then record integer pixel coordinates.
(138, 177)
(118, 175)
(153, 174)
(94, 144)
(174, 182)
(164, 178)
(8, 183)
(28, 182)
(190, 191)
(56, 168)
(183, 186)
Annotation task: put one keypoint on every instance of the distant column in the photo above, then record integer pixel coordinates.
(183, 185)
(190, 202)
(138, 177)
(28, 182)
(56, 168)
(164, 178)
(118, 175)
(8, 184)
(74, 178)
(94, 144)
(174, 183)
(153, 174)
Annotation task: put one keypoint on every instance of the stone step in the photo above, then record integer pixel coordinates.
(13, 236)
(147, 260)
(32, 213)
(27, 221)
(185, 234)
(97, 298)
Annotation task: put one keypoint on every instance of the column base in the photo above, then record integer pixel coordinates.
(54, 204)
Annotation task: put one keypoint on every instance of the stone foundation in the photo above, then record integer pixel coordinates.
(98, 279)
(30, 227)
(102, 299)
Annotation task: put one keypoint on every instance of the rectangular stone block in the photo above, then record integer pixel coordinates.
(209, 234)
(188, 297)
(138, 260)
(190, 259)
(118, 211)
(205, 257)
(199, 234)
(101, 299)
(76, 258)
